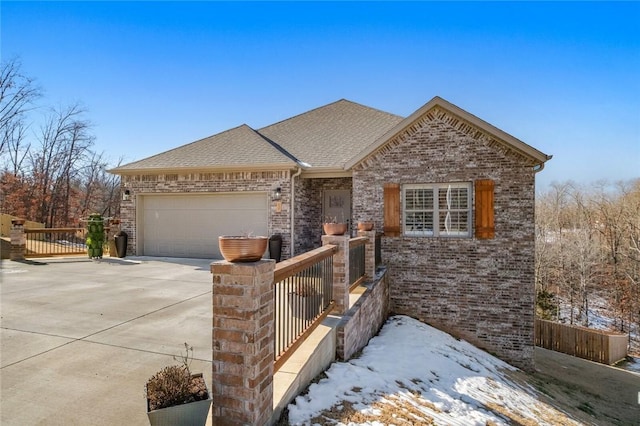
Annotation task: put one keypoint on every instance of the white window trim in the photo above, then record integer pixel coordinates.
(436, 210)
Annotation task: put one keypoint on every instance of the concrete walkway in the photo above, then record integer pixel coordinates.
(79, 338)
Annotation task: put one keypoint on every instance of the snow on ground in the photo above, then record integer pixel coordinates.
(412, 373)
(632, 364)
(601, 318)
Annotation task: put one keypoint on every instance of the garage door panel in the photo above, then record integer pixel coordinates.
(189, 226)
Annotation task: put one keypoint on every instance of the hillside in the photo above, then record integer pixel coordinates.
(412, 374)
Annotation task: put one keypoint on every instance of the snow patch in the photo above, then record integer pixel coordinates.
(422, 375)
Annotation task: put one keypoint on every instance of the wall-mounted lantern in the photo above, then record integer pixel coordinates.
(277, 194)
(126, 195)
(277, 197)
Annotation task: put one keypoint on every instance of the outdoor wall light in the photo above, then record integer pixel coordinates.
(126, 195)
(277, 194)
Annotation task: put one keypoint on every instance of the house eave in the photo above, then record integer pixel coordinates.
(200, 169)
(325, 173)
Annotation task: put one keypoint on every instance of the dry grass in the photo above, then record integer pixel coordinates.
(408, 407)
(397, 413)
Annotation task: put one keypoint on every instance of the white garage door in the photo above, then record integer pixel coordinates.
(189, 225)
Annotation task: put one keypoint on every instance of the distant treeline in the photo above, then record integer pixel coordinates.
(49, 172)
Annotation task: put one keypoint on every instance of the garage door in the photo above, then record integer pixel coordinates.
(189, 225)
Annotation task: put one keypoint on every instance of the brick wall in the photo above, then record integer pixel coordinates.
(279, 222)
(480, 290)
(365, 318)
(309, 217)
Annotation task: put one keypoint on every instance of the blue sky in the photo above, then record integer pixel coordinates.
(562, 77)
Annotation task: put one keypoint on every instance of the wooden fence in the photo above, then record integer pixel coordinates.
(595, 345)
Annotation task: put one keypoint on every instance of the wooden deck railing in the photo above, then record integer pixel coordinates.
(595, 345)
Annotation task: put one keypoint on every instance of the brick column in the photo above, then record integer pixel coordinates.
(18, 240)
(243, 342)
(369, 253)
(340, 271)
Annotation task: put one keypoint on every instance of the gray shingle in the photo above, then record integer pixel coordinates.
(325, 137)
(331, 135)
(237, 147)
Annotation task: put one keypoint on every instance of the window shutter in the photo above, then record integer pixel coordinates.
(485, 227)
(391, 209)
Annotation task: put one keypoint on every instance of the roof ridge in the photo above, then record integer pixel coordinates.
(373, 108)
(327, 105)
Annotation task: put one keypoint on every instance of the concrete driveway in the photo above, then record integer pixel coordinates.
(80, 338)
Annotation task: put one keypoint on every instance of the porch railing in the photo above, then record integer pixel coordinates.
(46, 242)
(303, 298)
(356, 261)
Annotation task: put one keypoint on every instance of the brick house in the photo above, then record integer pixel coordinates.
(453, 195)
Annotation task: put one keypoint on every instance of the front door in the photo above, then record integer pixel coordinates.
(336, 205)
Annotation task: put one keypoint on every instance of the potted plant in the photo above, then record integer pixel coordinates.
(365, 226)
(331, 226)
(175, 396)
(95, 236)
(242, 248)
(304, 301)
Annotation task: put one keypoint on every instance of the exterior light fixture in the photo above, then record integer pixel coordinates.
(277, 194)
(126, 195)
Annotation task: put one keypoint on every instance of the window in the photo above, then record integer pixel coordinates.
(437, 210)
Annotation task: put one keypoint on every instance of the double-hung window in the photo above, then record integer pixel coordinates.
(437, 210)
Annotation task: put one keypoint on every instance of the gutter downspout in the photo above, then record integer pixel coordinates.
(293, 210)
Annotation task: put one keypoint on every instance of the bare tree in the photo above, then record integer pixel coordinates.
(14, 145)
(588, 251)
(18, 94)
(50, 175)
(100, 190)
(65, 142)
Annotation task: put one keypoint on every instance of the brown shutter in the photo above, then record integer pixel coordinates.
(485, 227)
(392, 209)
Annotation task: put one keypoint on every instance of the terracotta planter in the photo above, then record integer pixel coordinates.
(365, 226)
(242, 249)
(334, 228)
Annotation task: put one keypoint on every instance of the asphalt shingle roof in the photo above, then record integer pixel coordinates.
(240, 146)
(325, 137)
(331, 135)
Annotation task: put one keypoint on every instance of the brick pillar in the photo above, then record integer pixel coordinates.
(340, 271)
(18, 240)
(369, 253)
(243, 342)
